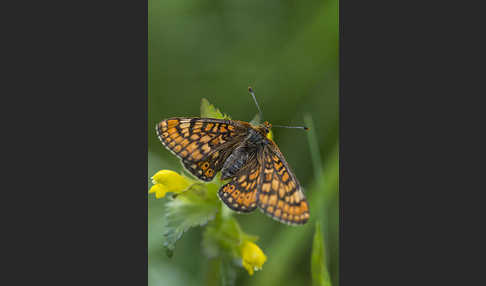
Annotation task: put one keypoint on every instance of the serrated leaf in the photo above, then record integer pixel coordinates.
(320, 275)
(210, 111)
(194, 207)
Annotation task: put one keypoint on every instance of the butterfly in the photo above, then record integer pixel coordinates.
(260, 175)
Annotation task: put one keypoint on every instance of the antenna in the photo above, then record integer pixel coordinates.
(250, 90)
(298, 127)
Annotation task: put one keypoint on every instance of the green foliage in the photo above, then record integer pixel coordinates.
(194, 207)
(210, 111)
(320, 275)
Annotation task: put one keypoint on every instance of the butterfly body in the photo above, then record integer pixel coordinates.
(260, 176)
(246, 151)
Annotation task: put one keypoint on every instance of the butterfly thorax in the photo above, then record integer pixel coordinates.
(257, 137)
(254, 141)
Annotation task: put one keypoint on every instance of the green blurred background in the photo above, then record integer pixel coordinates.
(286, 50)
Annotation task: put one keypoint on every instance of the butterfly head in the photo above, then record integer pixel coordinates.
(266, 127)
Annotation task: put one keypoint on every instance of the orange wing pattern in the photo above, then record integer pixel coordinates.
(266, 181)
(280, 195)
(203, 144)
(241, 193)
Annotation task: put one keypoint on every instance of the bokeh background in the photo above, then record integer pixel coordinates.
(286, 50)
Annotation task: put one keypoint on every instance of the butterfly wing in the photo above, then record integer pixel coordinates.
(280, 195)
(240, 194)
(203, 144)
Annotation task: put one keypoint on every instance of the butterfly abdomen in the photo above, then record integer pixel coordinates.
(240, 156)
(255, 139)
(234, 162)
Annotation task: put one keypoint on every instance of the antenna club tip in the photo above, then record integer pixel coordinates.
(250, 89)
(306, 128)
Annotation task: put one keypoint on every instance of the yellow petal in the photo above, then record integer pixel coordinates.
(252, 257)
(172, 181)
(161, 176)
(248, 268)
(159, 191)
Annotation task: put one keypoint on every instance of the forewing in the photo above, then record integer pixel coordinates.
(280, 195)
(203, 144)
(240, 194)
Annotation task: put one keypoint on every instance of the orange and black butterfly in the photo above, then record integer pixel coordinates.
(260, 176)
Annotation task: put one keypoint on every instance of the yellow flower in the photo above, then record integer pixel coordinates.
(168, 181)
(252, 256)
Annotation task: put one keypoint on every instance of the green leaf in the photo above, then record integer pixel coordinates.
(194, 207)
(210, 111)
(320, 275)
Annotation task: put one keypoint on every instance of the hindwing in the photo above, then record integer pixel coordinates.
(240, 194)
